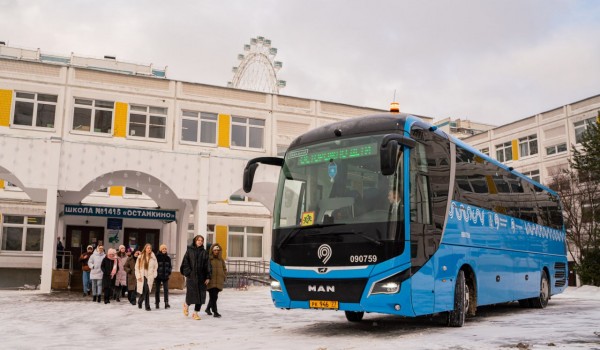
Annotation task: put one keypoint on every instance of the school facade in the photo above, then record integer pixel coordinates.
(101, 150)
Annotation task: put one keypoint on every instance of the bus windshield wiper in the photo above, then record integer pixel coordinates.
(301, 228)
(360, 234)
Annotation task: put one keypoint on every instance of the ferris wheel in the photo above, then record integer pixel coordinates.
(258, 69)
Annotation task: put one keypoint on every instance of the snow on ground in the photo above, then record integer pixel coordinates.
(63, 320)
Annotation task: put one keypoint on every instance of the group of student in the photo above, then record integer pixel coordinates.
(111, 274)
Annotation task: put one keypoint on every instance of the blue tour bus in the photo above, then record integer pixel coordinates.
(388, 214)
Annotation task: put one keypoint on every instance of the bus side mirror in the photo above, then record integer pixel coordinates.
(388, 156)
(249, 176)
(251, 166)
(388, 153)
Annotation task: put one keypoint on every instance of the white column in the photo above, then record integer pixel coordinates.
(49, 249)
(201, 205)
(201, 217)
(182, 225)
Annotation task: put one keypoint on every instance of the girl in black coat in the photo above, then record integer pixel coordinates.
(164, 271)
(196, 268)
(109, 267)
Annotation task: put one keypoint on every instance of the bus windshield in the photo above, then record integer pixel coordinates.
(336, 184)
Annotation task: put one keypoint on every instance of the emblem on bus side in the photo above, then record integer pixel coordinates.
(324, 253)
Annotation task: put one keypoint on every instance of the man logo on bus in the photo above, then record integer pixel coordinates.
(324, 253)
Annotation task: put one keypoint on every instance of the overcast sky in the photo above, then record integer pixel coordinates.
(488, 61)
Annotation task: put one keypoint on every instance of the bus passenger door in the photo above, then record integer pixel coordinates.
(429, 174)
(423, 268)
(422, 244)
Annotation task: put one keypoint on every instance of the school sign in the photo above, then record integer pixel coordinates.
(126, 213)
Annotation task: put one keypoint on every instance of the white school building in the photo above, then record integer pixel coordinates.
(98, 149)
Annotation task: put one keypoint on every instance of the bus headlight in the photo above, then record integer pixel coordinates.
(390, 285)
(386, 288)
(275, 286)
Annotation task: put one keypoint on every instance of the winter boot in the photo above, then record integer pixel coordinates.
(99, 298)
(94, 299)
(167, 305)
(217, 314)
(157, 305)
(208, 312)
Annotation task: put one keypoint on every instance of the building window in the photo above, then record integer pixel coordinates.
(504, 152)
(589, 212)
(245, 242)
(199, 127)
(33, 109)
(485, 151)
(581, 127)
(147, 122)
(528, 146)
(555, 149)
(210, 235)
(93, 115)
(247, 132)
(23, 233)
(534, 175)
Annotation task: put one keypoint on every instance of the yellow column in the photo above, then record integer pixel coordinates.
(515, 149)
(221, 238)
(224, 128)
(1, 184)
(116, 191)
(5, 105)
(120, 119)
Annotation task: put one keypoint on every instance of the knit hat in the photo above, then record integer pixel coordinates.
(90, 247)
(121, 246)
(162, 246)
(129, 250)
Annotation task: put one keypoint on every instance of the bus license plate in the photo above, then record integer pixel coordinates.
(323, 304)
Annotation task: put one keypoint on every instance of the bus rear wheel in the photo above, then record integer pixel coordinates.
(456, 317)
(354, 316)
(541, 301)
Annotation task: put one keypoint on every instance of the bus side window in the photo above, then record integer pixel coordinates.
(419, 187)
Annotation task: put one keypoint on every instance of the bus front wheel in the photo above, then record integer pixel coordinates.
(354, 316)
(456, 317)
(541, 301)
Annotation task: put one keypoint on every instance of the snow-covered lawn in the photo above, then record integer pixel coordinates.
(30, 320)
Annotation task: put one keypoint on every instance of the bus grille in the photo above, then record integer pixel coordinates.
(560, 274)
(344, 291)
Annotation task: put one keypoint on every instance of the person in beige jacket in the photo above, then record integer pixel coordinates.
(146, 269)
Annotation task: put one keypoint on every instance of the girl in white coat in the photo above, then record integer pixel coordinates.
(146, 269)
(95, 264)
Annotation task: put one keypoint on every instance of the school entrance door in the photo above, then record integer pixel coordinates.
(78, 238)
(137, 238)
